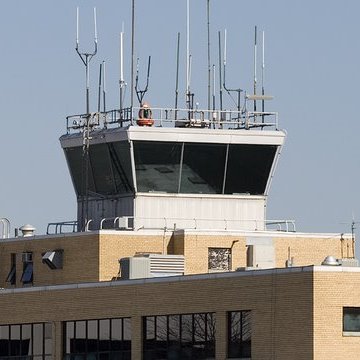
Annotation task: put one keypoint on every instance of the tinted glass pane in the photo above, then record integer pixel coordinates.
(104, 335)
(239, 334)
(76, 164)
(69, 330)
(199, 328)
(92, 336)
(121, 166)
(352, 319)
(116, 334)
(203, 168)
(248, 168)
(26, 339)
(101, 168)
(161, 328)
(174, 327)
(38, 337)
(157, 166)
(15, 340)
(27, 276)
(80, 335)
(150, 328)
(186, 328)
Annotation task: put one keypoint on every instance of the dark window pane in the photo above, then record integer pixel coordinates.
(239, 334)
(203, 168)
(150, 328)
(161, 328)
(11, 278)
(104, 335)
(26, 339)
(186, 328)
(351, 319)
(174, 328)
(248, 168)
(27, 276)
(101, 169)
(15, 344)
(80, 337)
(121, 166)
(92, 336)
(76, 164)
(157, 166)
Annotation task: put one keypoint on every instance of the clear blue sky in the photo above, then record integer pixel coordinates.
(312, 69)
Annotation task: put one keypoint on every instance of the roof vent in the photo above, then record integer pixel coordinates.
(330, 261)
(28, 230)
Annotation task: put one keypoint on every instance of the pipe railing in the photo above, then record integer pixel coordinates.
(170, 117)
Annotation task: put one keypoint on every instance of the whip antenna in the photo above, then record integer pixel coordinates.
(255, 59)
(177, 75)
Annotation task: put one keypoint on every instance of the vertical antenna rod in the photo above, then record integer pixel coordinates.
(187, 47)
(86, 58)
(255, 59)
(208, 52)
(122, 81)
(177, 75)
(220, 80)
(100, 81)
(104, 87)
(263, 75)
(132, 56)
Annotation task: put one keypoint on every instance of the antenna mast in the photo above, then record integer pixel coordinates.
(263, 76)
(122, 83)
(86, 58)
(220, 82)
(132, 56)
(208, 52)
(255, 60)
(177, 75)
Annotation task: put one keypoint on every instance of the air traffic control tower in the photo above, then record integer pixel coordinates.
(187, 170)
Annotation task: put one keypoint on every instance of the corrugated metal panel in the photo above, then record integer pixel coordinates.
(202, 212)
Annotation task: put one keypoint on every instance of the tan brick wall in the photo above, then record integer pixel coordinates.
(81, 259)
(310, 250)
(114, 247)
(282, 306)
(333, 291)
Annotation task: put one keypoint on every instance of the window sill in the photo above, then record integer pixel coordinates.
(351, 333)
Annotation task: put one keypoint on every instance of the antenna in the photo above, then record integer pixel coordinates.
(255, 60)
(104, 87)
(132, 56)
(177, 75)
(263, 76)
(122, 83)
(86, 58)
(99, 93)
(141, 93)
(208, 52)
(220, 82)
(213, 92)
(238, 91)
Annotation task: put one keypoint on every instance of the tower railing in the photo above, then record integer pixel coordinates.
(171, 117)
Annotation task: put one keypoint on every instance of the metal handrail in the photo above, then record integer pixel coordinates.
(216, 119)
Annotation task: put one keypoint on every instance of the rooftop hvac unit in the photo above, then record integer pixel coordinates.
(125, 223)
(152, 265)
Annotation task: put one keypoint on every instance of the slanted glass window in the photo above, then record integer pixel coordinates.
(239, 334)
(203, 168)
(219, 259)
(157, 166)
(27, 276)
(11, 278)
(97, 339)
(184, 336)
(26, 341)
(351, 319)
(248, 168)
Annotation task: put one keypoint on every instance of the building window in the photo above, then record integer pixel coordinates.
(239, 334)
(27, 275)
(26, 341)
(219, 259)
(11, 278)
(98, 339)
(351, 319)
(185, 336)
